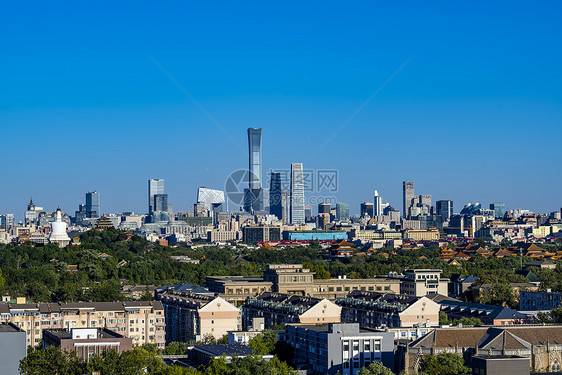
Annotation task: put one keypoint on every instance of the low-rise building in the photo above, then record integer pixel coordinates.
(278, 308)
(191, 316)
(541, 344)
(142, 321)
(488, 314)
(539, 300)
(341, 348)
(236, 289)
(86, 342)
(381, 310)
(421, 282)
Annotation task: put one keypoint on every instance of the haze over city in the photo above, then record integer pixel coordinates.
(97, 97)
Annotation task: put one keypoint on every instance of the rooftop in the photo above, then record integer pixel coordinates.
(226, 349)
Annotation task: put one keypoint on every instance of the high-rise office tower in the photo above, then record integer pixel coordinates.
(254, 145)
(93, 204)
(499, 209)
(342, 211)
(377, 207)
(297, 194)
(324, 208)
(275, 203)
(155, 186)
(308, 214)
(367, 209)
(408, 195)
(161, 203)
(253, 196)
(444, 208)
(7, 221)
(286, 203)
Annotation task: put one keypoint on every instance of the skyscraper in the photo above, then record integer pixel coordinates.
(155, 186)
(342, 211)
(160, 202)
(275, 202)
(324, 208)
(499, 209)
(444, 208)
(297, 194)
(286, 203)
(93, 204)
(377, 207)
(254, 146)
(367, 209)
(254, 196)
(408, 195)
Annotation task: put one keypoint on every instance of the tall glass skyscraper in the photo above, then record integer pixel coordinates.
(408, 195)
(444, 208)
(93, 204)
(342, 211)
(155, 186)
(297, 194)
(254, 197)
(275, 200)
(254, 146)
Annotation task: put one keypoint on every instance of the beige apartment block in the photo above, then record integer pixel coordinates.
(143, 322)
(421, 282)
(193, 316)
(278, 308)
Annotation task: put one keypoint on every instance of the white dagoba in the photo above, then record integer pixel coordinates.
(58, 231)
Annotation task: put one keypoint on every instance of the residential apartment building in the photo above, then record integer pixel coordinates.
(341, 348)
(191, 316)
(279, 308)
(383, 310)
(421, 282)
(539, 300)
(143, 322)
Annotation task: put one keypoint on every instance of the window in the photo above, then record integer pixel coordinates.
(377, 346)
(367, 347)
(356, 345)
(346, 346)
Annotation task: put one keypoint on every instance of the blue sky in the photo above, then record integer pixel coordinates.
(475, 115)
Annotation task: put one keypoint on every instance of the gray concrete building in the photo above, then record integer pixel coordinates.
(339, 347)
(13, 348)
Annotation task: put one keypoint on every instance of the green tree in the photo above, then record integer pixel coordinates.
(51, 361)
(443, 319)
(443, 364)
(263, 343)
(375, 368)
(217, 366)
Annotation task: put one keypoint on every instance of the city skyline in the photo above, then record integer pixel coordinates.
(456, 101)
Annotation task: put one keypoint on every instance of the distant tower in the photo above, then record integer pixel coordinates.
(408, 195)
(367, 209)
(377, 207)
(254, 145)
(155, 186)
(444, 208)
(275, 201)
(93, 204)
(297, 194)
(254, 195)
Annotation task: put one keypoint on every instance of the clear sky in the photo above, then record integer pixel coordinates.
(474, 114)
